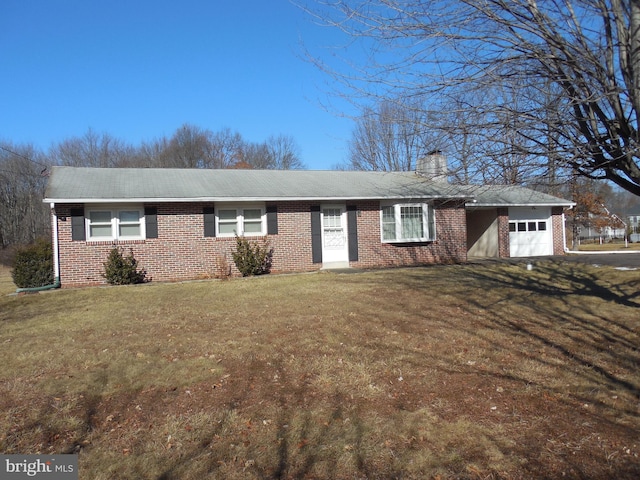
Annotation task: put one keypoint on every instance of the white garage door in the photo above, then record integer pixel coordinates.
(530, 232)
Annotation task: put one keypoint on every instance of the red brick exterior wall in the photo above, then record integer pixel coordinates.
(182, 252)
(450, 245)
(504, 250)
(557, 226)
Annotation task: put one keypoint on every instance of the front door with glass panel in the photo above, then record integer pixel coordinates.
(335, 248)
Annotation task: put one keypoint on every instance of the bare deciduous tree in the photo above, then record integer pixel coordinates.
(23, 216)
(393, 136)
(188, 148)
(226, 146)
(276, 153)
(579, 57)
(193, 147)
(151, 154)
(284, 153)
(92, 150)
(253, 155)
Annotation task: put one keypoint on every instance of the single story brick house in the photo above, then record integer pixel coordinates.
(181, 223)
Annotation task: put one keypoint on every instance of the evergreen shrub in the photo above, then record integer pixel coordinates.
(252, 258)
(33, 265)
(123, 270)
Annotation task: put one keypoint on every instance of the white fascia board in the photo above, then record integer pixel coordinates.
(506, 205)
(243, 199)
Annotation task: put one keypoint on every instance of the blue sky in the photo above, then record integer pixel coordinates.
(139, 69)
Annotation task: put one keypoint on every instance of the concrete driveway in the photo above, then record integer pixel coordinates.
(629, 260)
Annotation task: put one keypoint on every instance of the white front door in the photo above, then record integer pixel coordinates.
(335, 247)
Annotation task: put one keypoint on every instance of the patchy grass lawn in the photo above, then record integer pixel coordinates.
(483, 371)
(6, 283)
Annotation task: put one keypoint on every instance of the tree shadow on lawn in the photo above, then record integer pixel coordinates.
(583, 323)
(559, 278)
(309, 436)
(298, 446)
(571, 361)
(552, 309)
(597, 351)
(300, 443)
(321, 434)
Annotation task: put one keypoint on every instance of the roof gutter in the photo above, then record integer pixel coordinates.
(498, 205)
(247, 199)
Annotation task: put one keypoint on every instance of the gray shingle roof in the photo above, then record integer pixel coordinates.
(512, 196)
(100, 185)
(69, 184)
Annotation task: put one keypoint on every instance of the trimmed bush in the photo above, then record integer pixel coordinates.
(33, 265)
(121, 270)
(252, 258)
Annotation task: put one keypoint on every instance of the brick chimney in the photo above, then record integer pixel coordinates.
(433, 166)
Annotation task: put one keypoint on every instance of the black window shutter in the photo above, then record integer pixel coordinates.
(352, 227)
(209, 221)
(316, 235)
(432, 223)
(77, 224)
(272, 220)
(151, 222)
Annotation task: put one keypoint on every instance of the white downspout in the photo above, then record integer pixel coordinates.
(56, 252)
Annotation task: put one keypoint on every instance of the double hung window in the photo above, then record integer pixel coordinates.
(121, 223)
(407, 222)
(240, 220)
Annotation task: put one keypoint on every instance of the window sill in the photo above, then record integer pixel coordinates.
(410, 241)
(252, 236)
(116, 242)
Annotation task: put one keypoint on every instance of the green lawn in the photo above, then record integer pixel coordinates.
(463, 371)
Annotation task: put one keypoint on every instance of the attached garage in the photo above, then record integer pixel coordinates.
(510, 221)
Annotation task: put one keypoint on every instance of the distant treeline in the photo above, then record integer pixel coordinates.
(24, 168)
